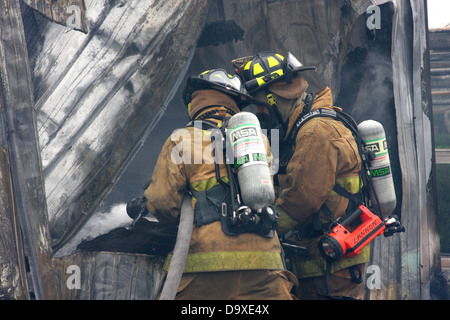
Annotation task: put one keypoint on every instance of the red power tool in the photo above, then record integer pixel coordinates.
(341, 242)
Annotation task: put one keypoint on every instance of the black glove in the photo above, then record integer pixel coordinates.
(392, 226)
(269, 217)
(136, 207)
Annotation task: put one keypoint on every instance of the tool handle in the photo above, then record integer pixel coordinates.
(351, 217)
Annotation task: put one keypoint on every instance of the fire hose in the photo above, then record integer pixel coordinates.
(180, 250)
(136, 208)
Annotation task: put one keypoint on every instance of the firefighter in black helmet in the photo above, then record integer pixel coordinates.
(313, 160)
(267, 70)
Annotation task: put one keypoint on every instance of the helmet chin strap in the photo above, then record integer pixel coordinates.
(273, 105)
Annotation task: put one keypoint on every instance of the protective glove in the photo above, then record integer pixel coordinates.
(136, 207)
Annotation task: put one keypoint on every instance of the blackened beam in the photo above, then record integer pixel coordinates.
(21, 142)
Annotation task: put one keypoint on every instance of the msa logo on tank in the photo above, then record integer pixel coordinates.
(379, 147)
(248, 145)
(245, 132)
(380, 172)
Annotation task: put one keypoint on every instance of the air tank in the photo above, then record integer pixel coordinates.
(250, 160)
(373, 134)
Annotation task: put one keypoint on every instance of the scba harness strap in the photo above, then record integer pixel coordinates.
(208, 205)
(317, 228)
(220, 202)
(209, 202)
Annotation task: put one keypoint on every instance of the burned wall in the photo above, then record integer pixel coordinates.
(374, 71)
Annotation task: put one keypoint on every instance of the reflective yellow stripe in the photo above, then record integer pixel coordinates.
(260, 81)
(280, 56)
(272, 62)
(305, 268)
(206, 184)
(257, 69)
(223, 261)
(278, 72)
(352, 184)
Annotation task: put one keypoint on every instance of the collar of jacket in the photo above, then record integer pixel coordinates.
(207, 113)
(323, 100)
(204, 99)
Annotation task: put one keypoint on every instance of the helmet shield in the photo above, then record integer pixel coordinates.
(222, 78)
(293, 63)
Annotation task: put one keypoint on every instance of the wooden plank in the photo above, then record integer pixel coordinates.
(439, 39)
(23, 149)
(440, 83)
(109, 276)
(445, 258)
(431, 249)
(13, 285)
(440, 71)
(442, 156)
(420, 243)
(70, 13)
(445, 263)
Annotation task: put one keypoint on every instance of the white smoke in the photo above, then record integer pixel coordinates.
(100, 223)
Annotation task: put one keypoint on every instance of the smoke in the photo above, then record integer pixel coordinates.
(220, 32)
(100, 223)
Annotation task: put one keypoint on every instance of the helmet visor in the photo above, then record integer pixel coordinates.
(295, 65)
(225, 79)
(293, 62)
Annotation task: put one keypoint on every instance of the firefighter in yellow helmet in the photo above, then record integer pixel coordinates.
(218, 265)
(322, 154)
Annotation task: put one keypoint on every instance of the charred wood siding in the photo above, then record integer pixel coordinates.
(69, 13)
(440, 78)
(95, 96)
(439, 42)
(98, 94)
(20, 162)
(109, 276)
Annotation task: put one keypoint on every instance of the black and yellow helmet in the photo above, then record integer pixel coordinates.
(217, 79)
(267, 67)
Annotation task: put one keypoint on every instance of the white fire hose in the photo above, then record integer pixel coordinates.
(180, 250)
